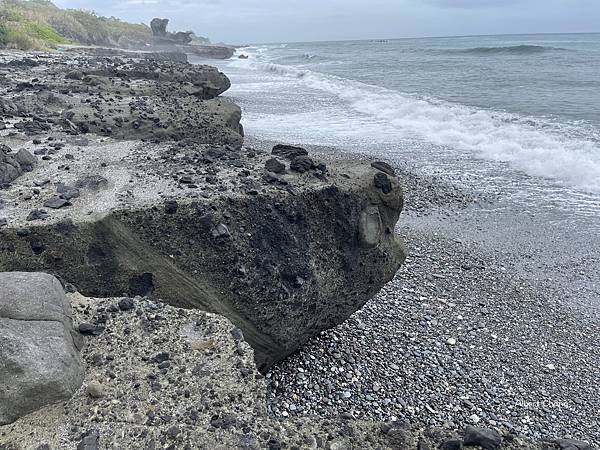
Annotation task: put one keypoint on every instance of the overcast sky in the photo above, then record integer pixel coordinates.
(260, 21)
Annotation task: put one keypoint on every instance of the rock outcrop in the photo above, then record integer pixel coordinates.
(182, 41)
(39, 362)
(129, 99)
(199, 225)
(162, 36)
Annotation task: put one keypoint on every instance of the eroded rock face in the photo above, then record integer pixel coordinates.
(39, 362)
(284, 249)
(282, 266)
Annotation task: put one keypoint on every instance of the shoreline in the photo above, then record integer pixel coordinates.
(454, 292)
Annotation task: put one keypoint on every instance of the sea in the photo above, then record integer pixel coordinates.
(515, 116)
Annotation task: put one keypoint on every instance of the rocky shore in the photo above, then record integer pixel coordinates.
(193, 262)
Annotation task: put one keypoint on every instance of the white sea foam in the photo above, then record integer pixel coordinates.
(536, 146)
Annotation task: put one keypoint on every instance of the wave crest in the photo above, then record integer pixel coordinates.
(513, 49)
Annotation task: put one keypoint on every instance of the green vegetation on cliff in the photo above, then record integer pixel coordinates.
(39, 24)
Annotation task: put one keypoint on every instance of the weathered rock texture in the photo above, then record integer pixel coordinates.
(125, 99)
(283, 255)
(161, 377)
(39, 362)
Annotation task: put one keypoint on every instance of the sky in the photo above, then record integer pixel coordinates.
(262, 21)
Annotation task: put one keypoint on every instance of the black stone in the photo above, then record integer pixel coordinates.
(171, 206)
(161, 357)
(90, 441)
(570, 444)
(383, 183)
(126, 304)
(237, 334)
(56, 203)
(384, 167)
(37, 214)
(89, 329)
(288, 151)
(487, 439)
(301, 164)
(453, 444)
(273, 165)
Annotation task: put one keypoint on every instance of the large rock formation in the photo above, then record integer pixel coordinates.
(283, 255)
(162, 36)
(39, 362)
(182, 42)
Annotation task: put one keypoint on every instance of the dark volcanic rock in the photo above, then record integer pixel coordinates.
(570, 444)
(384, 167)
(382, 182)
(301, 164)
(269, 238)
(288, 151)
(486, 439)
(275, 166)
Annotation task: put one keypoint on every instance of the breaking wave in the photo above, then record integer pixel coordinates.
(512, 50)
(568, 153)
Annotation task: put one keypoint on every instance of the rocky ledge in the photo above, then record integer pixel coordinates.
(140, 184)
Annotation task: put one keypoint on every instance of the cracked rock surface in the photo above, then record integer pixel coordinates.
(39, 361)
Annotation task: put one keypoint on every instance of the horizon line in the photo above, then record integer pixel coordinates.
(421, 37)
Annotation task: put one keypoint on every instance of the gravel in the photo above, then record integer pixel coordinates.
(460, 337)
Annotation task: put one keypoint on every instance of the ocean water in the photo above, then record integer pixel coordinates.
(517, 115)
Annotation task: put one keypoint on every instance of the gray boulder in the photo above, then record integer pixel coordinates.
(9, 167)
(39, 361)
(26, 160)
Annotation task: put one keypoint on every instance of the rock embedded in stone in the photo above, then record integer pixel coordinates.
(571, 444)
(126, 304)
(275, 166)
(486, 439)
(56, 203)
(40, 362)
(302, 164)
(95, 389)
(382, 181)
(384, 167)
(90, 441)
(37, 214)
(288, 151)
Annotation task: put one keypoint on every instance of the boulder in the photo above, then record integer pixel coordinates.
(10, 169)
(239, 255)
(39, 361)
